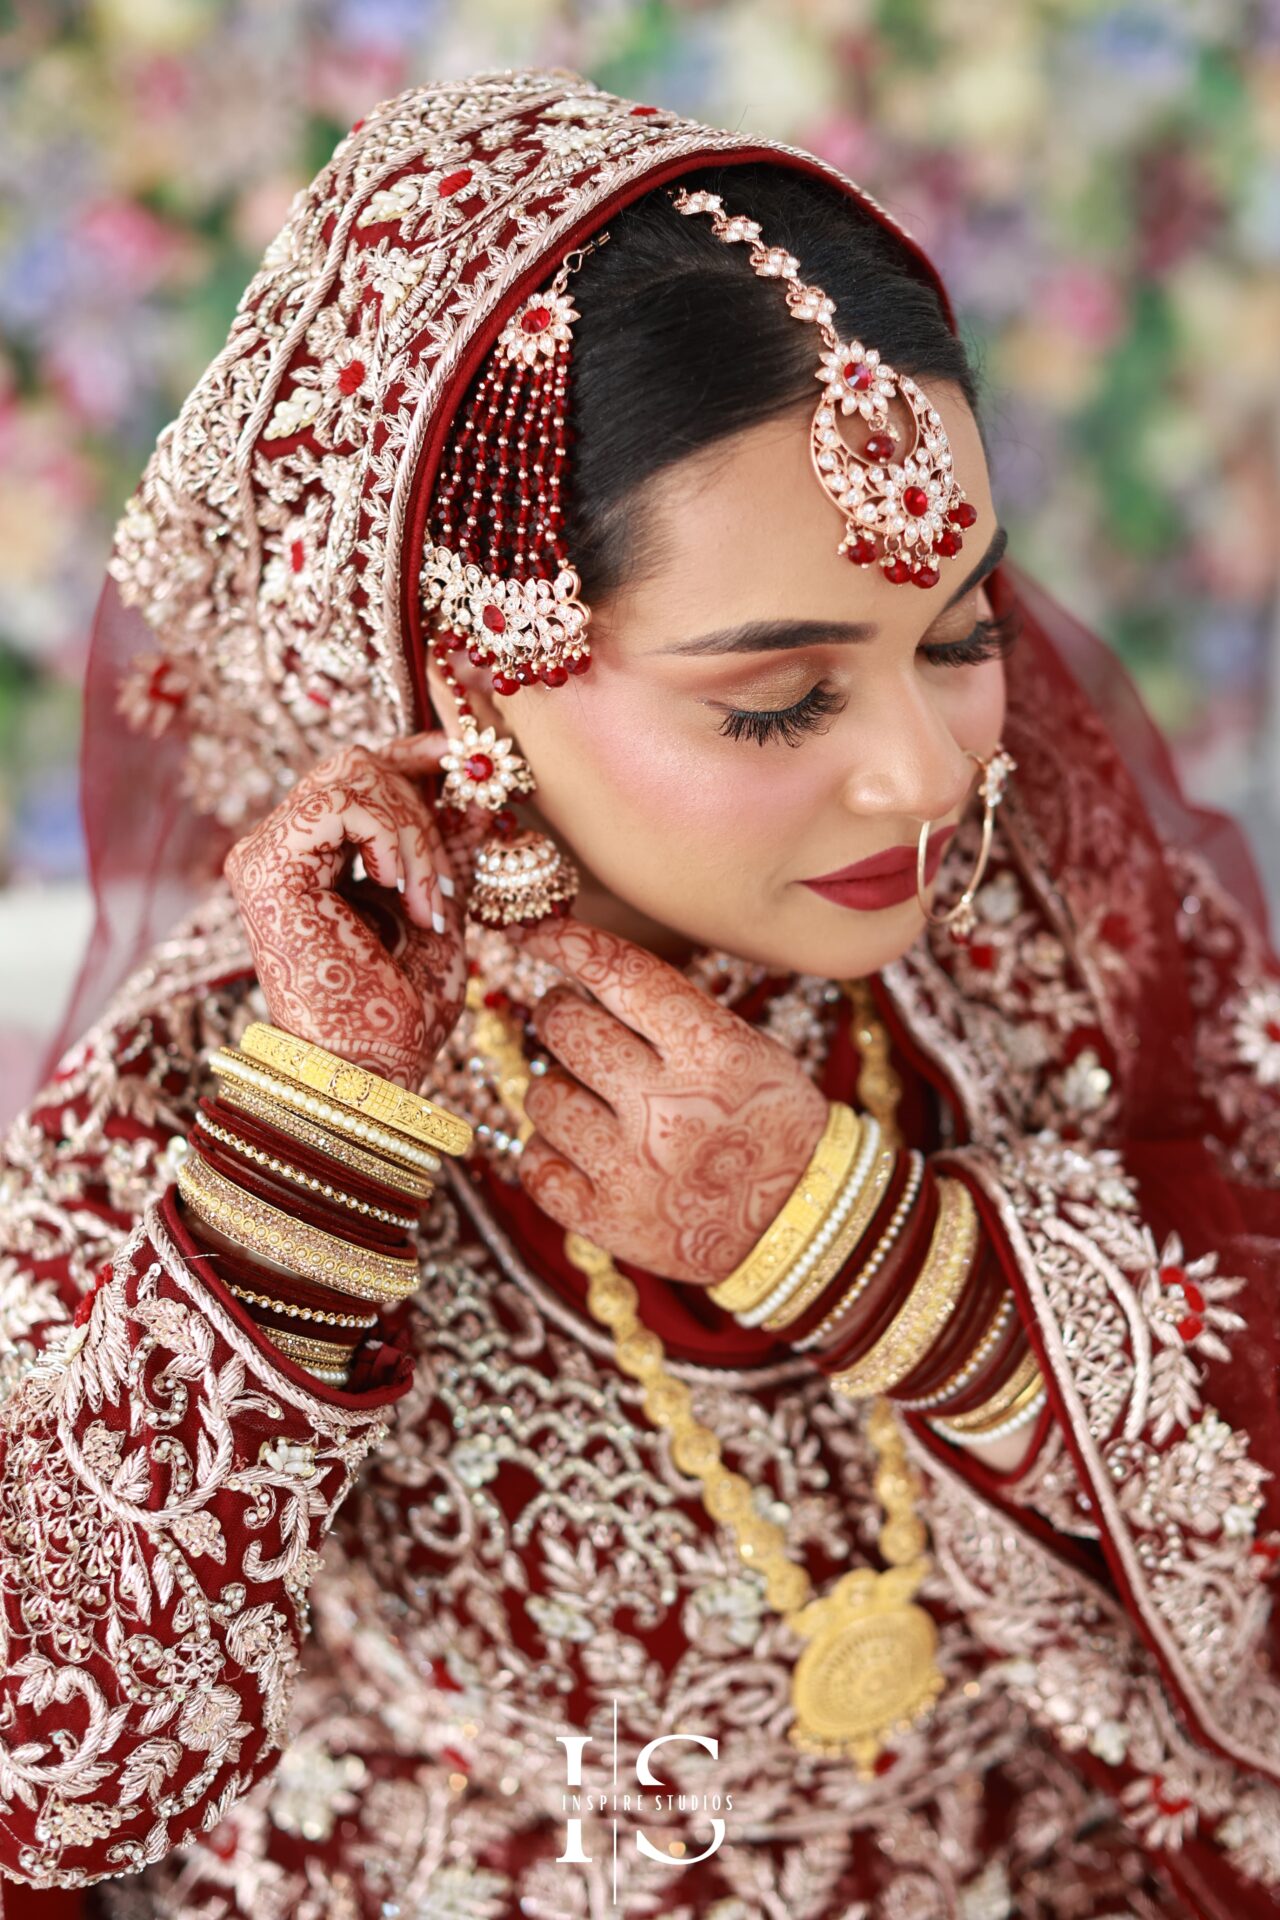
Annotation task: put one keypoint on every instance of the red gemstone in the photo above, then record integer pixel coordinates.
(949, 541)
(642, 113)
(1193, 1296)
(861, 551)
(494, 618)
(578, 662)
(537, 320)
(858, 375)
(1172, 1277)
(351, 379)
(554, 676)
(964, 515)
(453, 181)
(924, 575)
(916, 501)
(1190, 1327)
(297, 556)
(982, 955)
(878, 447)
(505, 823)
(478, 767)
(504, 683)
(479, 656)
(897, 570)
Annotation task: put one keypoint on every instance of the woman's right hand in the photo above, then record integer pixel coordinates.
(374, 970)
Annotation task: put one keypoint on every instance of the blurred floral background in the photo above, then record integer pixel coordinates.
(1099, 183)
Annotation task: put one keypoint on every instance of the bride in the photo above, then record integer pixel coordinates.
(664, 1299)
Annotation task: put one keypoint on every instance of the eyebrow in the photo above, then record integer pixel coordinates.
(777, 636)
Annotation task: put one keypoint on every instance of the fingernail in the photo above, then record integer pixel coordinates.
(358, 868)
(446, 885)
(438, 922)
(399, 883)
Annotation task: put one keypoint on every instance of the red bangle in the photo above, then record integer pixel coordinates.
(1000, 1366)
(282, 1146)
(356, 1229)
(974, 1315)
(884, 1298)
(288, 1287)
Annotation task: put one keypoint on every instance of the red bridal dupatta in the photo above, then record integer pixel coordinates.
(1101, 1062)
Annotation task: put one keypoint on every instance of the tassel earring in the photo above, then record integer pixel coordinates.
(519, 877)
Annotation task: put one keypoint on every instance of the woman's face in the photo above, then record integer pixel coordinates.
(761, 714)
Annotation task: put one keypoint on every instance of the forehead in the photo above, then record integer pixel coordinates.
(743, 530)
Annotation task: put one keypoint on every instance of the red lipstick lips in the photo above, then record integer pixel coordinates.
(884, 880)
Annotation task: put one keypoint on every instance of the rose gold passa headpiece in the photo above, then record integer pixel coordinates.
(496, 574)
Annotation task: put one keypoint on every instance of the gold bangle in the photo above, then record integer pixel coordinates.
(969, 1367)
(841, 1250)
(1021, 1386)
(322, 1318)
(230, 1061)
(870, 1267)
(301, 1179)
(929, 1305)
(260, 1228)
(261, 1106)
(309, 1353)
(800, 1217)
(355, 1088)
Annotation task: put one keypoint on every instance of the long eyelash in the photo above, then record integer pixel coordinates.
(989, 640)
(789, 724)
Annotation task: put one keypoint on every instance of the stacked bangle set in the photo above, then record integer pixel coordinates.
(830, 1269)
(321, 1169)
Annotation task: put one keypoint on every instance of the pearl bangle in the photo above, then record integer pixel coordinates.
(875, 1260)
(1010, 1425)
(868, 1147)
(227, 1062)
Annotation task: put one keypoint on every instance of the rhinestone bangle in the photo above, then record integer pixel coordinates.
(302, 1179)
(950, 1389)
(928, 1306)
(308, 1251)
(318, 1314)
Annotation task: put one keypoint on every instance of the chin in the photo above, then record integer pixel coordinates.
(831, 941)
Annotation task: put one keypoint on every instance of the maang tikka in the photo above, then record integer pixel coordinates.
(496, 577)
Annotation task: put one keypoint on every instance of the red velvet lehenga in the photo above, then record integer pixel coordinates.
(275, 1649)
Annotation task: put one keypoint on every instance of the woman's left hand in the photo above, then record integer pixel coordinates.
(668, 1129)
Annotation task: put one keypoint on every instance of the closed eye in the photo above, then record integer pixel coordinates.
(988, 640)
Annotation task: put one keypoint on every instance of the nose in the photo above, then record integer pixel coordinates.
(910, 765)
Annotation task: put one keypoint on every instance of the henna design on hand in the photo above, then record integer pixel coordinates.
(375, 971)
(670, 1130)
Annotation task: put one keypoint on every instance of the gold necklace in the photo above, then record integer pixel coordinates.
(869, 1668)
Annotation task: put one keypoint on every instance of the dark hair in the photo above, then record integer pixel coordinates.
(679, 344)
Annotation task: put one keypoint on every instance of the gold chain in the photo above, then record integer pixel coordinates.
(869, 1668)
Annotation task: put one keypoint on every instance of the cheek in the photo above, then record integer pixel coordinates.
(624, 760)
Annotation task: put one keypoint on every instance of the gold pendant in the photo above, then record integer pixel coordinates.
(869, 1670)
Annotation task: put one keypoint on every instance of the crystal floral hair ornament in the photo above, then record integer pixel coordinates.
(900, 513)
(496, 574)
